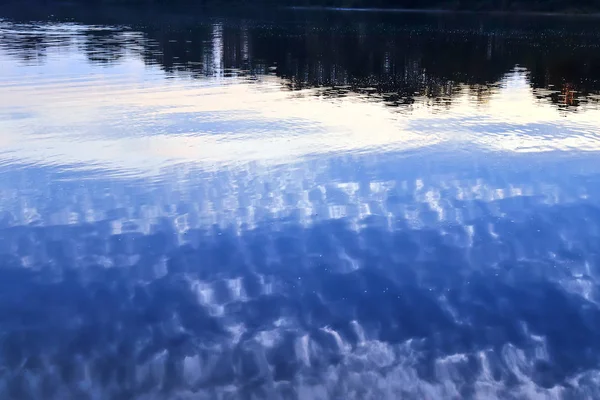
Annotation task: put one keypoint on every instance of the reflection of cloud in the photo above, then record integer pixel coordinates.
(126, 116)
(230, 274)
(134, 123)
(328, 264)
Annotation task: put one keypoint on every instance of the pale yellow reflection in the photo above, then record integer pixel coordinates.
(119, 122)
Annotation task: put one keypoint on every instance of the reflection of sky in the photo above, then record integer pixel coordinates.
(104, 119)
(251, 240)
(472, 243)
(125, 117)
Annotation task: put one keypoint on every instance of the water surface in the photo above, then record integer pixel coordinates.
(304, 206)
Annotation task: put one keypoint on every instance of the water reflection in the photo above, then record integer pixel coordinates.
(134, 122)
(395, 62)
(309, 281)
(309, 207)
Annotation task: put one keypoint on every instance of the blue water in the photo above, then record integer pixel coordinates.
(307, 206)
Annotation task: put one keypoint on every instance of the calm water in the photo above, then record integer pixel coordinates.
(309, 206)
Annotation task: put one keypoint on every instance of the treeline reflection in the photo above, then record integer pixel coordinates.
(424, 59)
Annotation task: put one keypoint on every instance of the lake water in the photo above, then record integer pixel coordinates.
(298, 205)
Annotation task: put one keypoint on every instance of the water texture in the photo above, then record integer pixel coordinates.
(312, 205)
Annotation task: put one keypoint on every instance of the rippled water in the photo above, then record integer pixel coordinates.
(306, 206)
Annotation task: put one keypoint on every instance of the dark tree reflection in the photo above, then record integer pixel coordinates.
(393, 60)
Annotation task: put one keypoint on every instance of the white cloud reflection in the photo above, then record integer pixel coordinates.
(128, 118)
